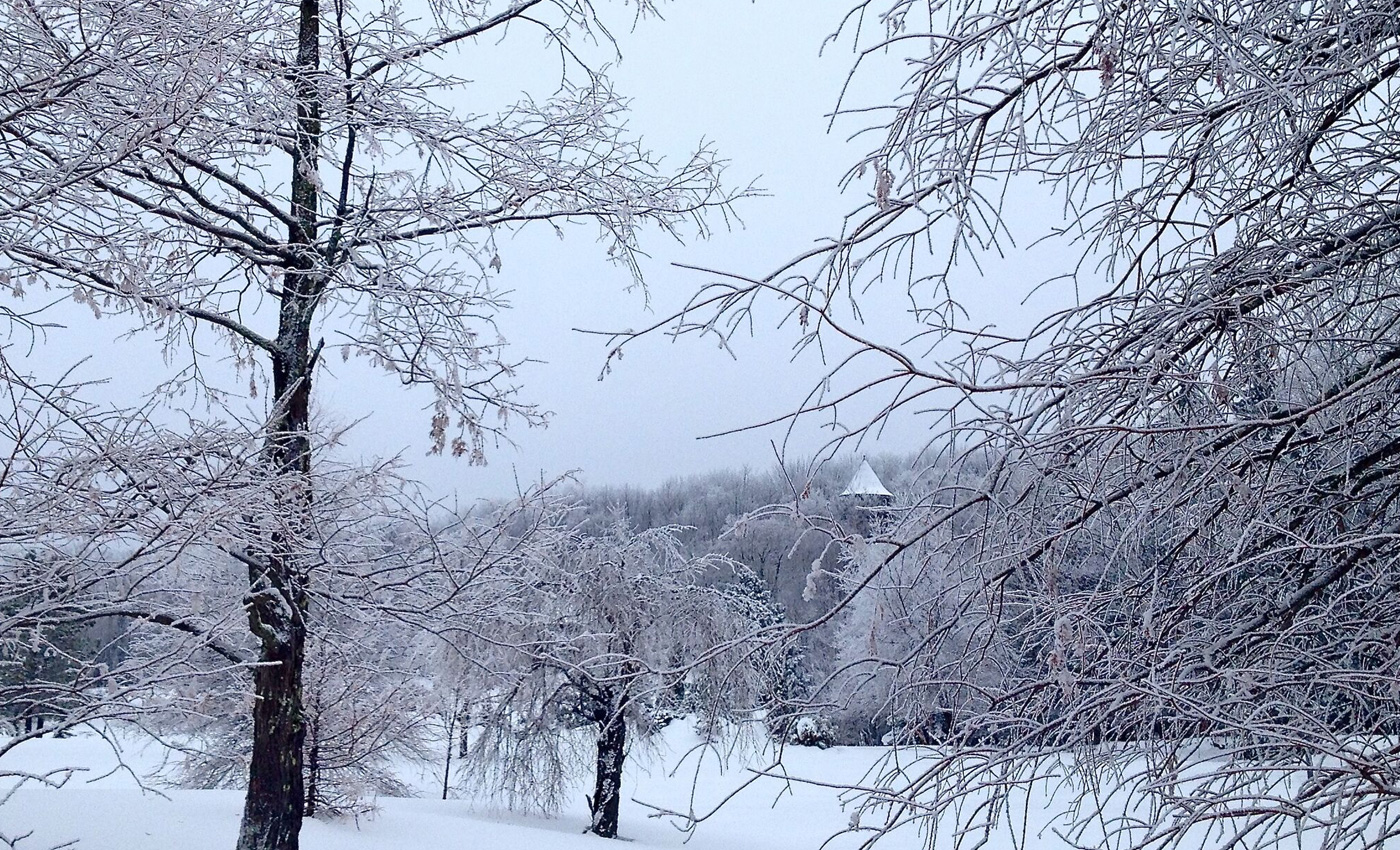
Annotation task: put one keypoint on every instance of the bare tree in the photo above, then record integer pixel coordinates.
(605, 632)
(104, 514)
(324, 187)
(86, 86)
(1187, 525)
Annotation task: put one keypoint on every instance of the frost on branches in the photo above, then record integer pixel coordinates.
(1185, 546)
(610, 632)
(296, 182)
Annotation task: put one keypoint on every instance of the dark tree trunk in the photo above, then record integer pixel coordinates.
(272, 811)
(313, 770)
(277, 607)
(607, 785)
(451, 742)
(278, 577)
(277, 600)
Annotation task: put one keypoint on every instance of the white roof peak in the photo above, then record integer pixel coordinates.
(866, 483)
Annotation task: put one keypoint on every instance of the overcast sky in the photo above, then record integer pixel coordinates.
(748, 78)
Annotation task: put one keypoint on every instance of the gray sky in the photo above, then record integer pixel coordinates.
(745, 76)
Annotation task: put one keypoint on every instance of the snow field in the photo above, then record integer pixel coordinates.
(104, 807)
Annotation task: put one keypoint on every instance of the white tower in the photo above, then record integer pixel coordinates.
(865, 484)
(870, 497)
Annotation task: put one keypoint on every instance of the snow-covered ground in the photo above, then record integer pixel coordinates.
(105, 808)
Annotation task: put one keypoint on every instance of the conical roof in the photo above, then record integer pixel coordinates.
(866, 483)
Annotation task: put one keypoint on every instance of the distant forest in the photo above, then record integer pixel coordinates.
(791, 527)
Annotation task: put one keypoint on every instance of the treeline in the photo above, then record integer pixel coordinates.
(777, 521)
(791, 528)
(986, 629)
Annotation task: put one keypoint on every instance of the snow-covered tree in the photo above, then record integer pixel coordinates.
(599, 632)
(324, 194)
(86, 87)
(784, 672)
(1189, 515)
(106, 515)
(369, 713)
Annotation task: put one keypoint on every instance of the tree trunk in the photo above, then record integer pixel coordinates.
(607, 786)
(313, 770)
(277, 607)
(272, 811)
(451, 742)
(277, 600)
(278, 580)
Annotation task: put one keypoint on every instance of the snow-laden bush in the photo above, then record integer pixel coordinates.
(811, 730)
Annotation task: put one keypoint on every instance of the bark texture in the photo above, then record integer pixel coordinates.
(272, 811)
(607, 785)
